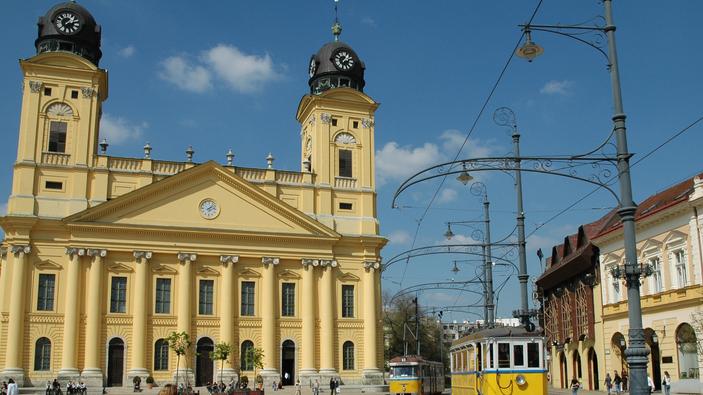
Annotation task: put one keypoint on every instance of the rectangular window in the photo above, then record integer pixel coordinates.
(247, 298)
(45, 299)
(57, 136)
(53, 185)
(345, 206)
(533, 355)
(118, 295)
(288, 300)
(345, 163)
(206, 296)
(334, 122)
(503, 355)
(347, 301)
(355, 124)
(680, 261)
(656, 275)
(163, 296)
(47, 91)
(518, 355)
(74, 94)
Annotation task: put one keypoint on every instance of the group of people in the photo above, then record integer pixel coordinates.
(72, 387)
(9, 387)
(618, 383)
(221, 387)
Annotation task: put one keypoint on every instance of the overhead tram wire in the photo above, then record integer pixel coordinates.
(612, 179)
(470, 132)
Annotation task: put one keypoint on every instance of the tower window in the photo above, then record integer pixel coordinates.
(345, 206)
(47, 91)
(74, 94)
(355, 124)
(334, 122)
(345, 163)
(343, 82)
(57, 137)
(58, 185)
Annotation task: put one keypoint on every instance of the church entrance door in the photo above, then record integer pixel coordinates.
(203, 363)
(115, 362)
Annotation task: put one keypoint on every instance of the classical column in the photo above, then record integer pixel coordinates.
(372, 374)
(4, 277)
(268, 320)
(327, 320)
(94, 317)
(307, 348)
(15, 339)
(69, 360)
(227, 306)
(185, 300)
(140, 297)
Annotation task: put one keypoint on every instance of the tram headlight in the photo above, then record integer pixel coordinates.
(520, 380)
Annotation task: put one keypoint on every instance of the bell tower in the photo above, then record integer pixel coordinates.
(63, 92)
(337, 135)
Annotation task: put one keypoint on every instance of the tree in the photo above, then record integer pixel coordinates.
(180, 343)
(255, 357)
(221, 352)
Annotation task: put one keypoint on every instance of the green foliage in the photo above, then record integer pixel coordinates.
(244, 381)
(149, 380)
(179, 342)
(254, 357)
(221, 352)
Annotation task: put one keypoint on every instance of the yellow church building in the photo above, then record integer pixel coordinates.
(105, 256)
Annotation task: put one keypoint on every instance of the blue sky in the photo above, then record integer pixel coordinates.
(219, 75)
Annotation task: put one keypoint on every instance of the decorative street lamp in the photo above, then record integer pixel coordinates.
(632, 272)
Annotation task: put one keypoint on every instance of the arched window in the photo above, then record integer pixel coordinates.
(246, 361)
(686, 342)
(42, 354)
(161, 355)
(348, 356)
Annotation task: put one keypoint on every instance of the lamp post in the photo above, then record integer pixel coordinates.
(636, 353)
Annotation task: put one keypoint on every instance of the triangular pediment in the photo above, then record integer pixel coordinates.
(175, 203)
(248, 273)
(47, 265)
(165, 270)
(348, 277)
(289, 275)
(119, 268)
(208, 272)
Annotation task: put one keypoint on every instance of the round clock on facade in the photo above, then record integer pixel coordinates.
(67, 22)
(209, 209)
(313, 66)
(343, 60)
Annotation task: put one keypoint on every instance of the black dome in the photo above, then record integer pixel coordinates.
(69, 27)
(326, 74)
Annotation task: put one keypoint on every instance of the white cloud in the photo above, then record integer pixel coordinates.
(178, 71)
(244, 73)
(458, 238)
(368, 21)
(555, 87)
(127, 52)
(474, 148)
(399, 237)
(118, 130)
(394, 162)
(447, 195)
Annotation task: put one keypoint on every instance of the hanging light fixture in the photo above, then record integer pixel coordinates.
(449, 234)
(455, 269)
(464, 177)
(529, 49)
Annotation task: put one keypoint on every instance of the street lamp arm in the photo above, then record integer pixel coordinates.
(559, 29)
(467, 249)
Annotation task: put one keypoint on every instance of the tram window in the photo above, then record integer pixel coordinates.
(503, 355)
(532, 355)
(402, 371)
(518, 355)
(479, 357)
(489, 357)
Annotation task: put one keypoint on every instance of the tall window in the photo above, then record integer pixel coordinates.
(680, 262)
(247, 298)
(348, 356)
(57, 136)
(288, 300)
(246, 363)
(656, 274)
(118, 295)
(163, 296)
(45, 299)
(42, 354)
(347, 301)
(161, 355)
(345, 163)
(205, 300)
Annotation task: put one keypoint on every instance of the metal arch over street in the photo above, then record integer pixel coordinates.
(466, 249)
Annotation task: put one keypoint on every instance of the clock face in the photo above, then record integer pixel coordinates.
(343, 60)
(209, 209)
(67, 22)
(313, 67)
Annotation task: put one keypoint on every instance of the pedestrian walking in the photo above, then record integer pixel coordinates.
(575, 385)
(608, 383)
(617, 381)
(650, 383)
(12, 388)
(332, 387)
(297, 387)
(666, 383)
(316, 388)
(624, 380)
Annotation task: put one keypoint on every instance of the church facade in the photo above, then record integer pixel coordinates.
(104, 257)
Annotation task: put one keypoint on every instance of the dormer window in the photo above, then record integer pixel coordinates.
(57, 136)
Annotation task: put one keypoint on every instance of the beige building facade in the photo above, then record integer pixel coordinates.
(105, 256)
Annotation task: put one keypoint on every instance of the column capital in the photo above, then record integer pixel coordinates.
(307, 262)
(226, 259)
(142, 255)
(3, 252)
(97, 252)
(372, 265)
(270, 260)
(71, 251)
(187, 256)
(331, 263)
(18, 248)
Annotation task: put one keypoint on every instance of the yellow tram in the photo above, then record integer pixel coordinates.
(500, 361)
(412, 374)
